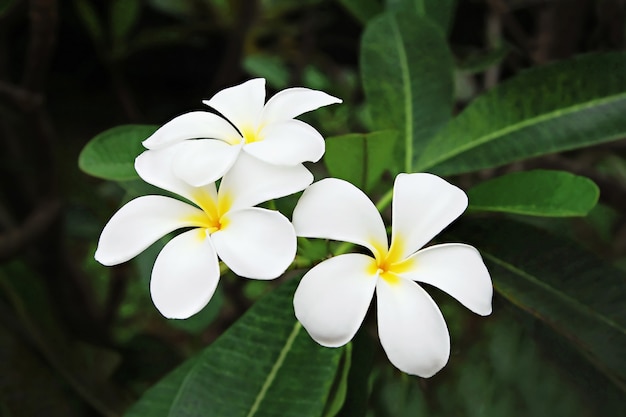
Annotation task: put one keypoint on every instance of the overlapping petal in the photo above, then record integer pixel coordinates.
(411, 328)
(241, 104)
(332, 299)
(203, 161)
(192, 125)
(335, 209)
(139, 224)
(256, 243)
(292, 102)
(155, 167)
(288, 142)
(185, 275)
(458, 270)
(251, 181)
(423, 205)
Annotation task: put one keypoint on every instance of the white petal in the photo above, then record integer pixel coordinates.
(256, 243)
(155, 167)
(140, 223)
(335, 209)
(411, 328)
(185, 275)
(193, 125)
(251, 181)
(203, 161)
(292, 102)
(332, 299)
(458, 270)
(423, 205)
(288, 143)
(241, 104)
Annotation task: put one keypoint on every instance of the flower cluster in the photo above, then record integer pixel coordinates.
(256, 150)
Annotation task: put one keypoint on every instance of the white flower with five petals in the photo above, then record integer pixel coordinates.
(267, 131)
(253, 242)
(333, 297)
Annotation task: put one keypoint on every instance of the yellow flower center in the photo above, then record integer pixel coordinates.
(251, 135)
(214, 214)
(388, 264)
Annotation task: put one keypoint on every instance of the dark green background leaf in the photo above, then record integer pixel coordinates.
(558, 282)
(438, 11)
(362, 10)
(111, 154)
(536, 193)
(265, 364)
(124, 16)
(570, 104)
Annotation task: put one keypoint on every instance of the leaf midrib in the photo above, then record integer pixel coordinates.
(271, 376)
(274, 371)
(518, 126)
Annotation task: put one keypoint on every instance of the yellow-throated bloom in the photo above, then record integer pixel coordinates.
(207, 145)
(253, 242)
(333, 297)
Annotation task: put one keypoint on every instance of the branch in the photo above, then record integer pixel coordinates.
(14, 240)
(43, 24)
(25, 100)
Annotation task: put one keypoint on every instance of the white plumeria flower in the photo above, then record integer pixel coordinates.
(253, 242)
(333, 297)
(267, 131)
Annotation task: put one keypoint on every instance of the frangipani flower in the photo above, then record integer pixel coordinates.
(267, 131)
(332, 299)
(253, 242)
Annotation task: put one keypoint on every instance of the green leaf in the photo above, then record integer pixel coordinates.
(265, 364)
(124, 15)
(566, 105)
(362, 10)
(360, 158)
(407, 73)
(357, 395)
(480, 61)
(90, 20)
(111, 154)
(339, 390)
(200, 321)
(536, 193)
(556, 281)
(438, 11)
(270, 67)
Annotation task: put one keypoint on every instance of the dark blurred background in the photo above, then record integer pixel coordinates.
(79, 339)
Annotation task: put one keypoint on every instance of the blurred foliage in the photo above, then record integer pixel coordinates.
(78, 339)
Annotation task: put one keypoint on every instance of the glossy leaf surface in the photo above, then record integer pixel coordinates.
(567, 105)
(536, 193)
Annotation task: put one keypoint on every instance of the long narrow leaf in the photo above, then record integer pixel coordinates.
(407, 76)
(556, 281)
(264, 365)
(567, 105)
